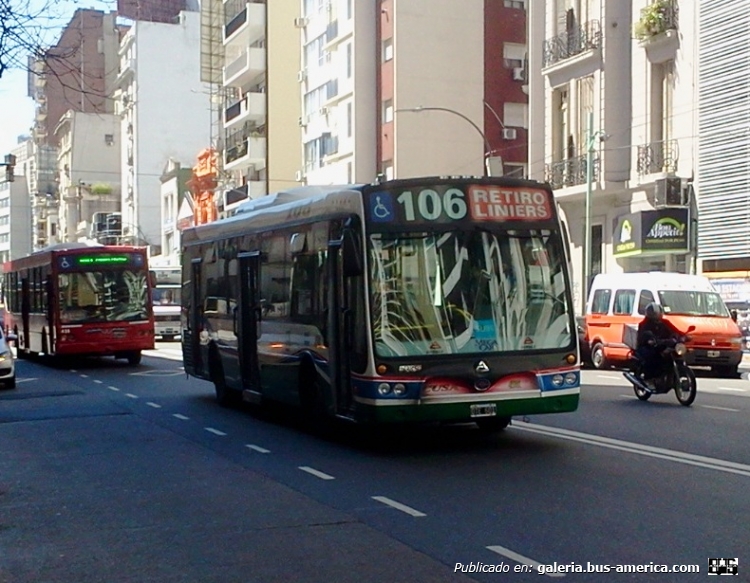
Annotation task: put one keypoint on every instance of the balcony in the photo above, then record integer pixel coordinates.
(252, 107)
(246, 68)
(573, 53)
(570, 172)
(127, 69)
(656, 30)
(658, 157)
(244, 22)
(253, 189)
(245, 151)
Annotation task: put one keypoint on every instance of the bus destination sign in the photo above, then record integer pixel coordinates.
(76, 262)
(449, 203)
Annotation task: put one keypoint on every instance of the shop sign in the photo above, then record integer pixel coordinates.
(659, 231)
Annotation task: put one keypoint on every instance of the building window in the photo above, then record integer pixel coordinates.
(597, 242)
(349, 120)
(515, 170)
(520, 4)
(514, 55)
(515, 115)
(349, 61)
(387, 50)
(388, 111)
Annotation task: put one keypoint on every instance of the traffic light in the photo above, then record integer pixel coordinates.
(10, 163)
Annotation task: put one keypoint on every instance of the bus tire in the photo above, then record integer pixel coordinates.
(309, 389)
(45, 348)
(134, 358)
(225, 397)
(493, 424)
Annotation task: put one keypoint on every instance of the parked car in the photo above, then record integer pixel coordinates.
(7, 361)
(584, 349)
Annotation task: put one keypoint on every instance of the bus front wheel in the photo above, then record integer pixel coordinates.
(134, 358)
(493, 424)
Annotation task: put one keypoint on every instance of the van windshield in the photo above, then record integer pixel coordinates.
(693, 303)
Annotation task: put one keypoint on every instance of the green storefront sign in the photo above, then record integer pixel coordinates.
(652, 232)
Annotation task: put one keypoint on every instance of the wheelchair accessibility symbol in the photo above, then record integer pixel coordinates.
(381, 207)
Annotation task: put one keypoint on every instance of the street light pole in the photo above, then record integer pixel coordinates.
(591, 137)
(485, 141)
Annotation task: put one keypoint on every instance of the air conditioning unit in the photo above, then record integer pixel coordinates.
(669, 192)
(519, 74)
(299, 176)
(509, 133)
(300, 22)
(301, 75)
(302, 121)
(324, 111)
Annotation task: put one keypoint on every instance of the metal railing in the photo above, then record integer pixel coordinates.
(657, 157)
(572, 42)
(570, 172)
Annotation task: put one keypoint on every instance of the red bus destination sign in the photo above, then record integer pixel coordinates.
(449, 203)
(77, 262)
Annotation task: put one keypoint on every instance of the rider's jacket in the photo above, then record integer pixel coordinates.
(655, 330)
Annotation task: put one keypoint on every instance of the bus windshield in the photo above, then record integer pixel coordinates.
(464, 292)
(166, 296)
(103, 296)
(692, 303)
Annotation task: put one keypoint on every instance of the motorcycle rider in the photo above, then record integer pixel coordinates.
(652, 330)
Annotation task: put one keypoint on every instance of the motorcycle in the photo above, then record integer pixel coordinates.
(676, 374)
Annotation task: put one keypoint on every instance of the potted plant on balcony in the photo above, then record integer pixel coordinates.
(655, 19)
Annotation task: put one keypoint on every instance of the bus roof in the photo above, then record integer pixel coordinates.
(655, 279)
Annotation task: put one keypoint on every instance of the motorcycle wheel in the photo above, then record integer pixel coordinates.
(686, 391)
(641, 394)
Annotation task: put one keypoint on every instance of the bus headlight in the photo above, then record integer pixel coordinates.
(384, 388)
(399, 389)
(680, 349)
(571, 378)
(558, 380)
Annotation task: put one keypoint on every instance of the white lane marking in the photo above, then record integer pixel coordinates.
(214, 431)
(640, 449)
(111, 388)
(398, 506)
(26, 380)
(132, 396)
(154, 405)
(180, 416)
(316, 473)
(514, 556)
(719, 408)
(73, 370)
(98, 382)
(257, 448)
(84, 376)
(729, 389)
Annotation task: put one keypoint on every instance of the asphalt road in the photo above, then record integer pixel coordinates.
(112, 473)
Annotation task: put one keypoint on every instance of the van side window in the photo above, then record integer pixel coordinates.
(624, 300)
(600, 302)
(646, 298)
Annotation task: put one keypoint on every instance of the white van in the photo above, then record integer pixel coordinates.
(688, 300)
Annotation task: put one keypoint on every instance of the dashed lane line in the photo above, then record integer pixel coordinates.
(214, 431)
(398, 506)
(257, 448)
(316, 473)
(514, 556)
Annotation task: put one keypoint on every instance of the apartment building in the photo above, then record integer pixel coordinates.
(164, 113)
(250, 56)
(614, 126)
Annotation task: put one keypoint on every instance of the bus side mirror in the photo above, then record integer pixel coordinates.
(352, 254)
(734, 315)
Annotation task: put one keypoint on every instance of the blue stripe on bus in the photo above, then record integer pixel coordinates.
(546, 381)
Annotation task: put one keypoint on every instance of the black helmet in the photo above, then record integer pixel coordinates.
(654, 311)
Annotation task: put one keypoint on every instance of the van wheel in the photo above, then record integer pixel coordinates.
(598, 359)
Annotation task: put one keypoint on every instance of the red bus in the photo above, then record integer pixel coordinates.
(82, 299)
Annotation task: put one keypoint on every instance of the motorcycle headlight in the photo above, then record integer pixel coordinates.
(680, 349)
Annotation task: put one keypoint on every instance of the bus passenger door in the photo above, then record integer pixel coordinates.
(49, 290)
(195, 319)
(247, 323)
(25, 309)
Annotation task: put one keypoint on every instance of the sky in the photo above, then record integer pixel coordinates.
(16, 108)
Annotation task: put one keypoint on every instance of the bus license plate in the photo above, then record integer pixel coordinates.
(484, 410)
(713, 353)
